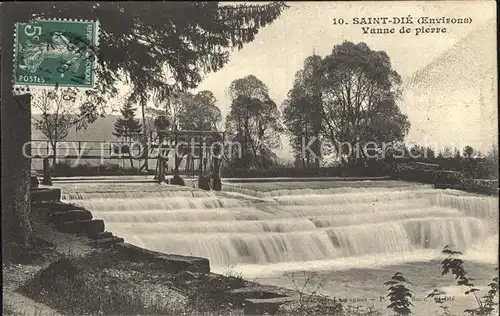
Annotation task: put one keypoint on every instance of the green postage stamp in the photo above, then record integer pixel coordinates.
(50, 53)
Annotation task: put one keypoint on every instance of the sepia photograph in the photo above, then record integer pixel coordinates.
(249, 158)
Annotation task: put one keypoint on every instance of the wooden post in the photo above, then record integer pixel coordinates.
(55, 153)
(176, 160)
(201, 158)
(216, 161)
(161, 159)
(47, 178)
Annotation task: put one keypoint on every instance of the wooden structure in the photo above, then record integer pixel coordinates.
(47, 178)
(206, 147)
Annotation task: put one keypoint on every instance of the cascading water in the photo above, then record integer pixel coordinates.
(295, 225)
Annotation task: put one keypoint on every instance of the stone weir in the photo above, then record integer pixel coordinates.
(254, 298)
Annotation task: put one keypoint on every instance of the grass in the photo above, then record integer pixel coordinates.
(8, 309)
(78, 286)
(107, 284)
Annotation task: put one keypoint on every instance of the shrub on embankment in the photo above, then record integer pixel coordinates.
(66, 169)
(462, 180)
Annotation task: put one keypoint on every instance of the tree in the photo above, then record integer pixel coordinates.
(468, 152)
(296, 119)
(189, 111)
(59, 109)
(157, 47)
(302, 110)
(313, 71)
(446, 153)
(56, 118)
(360, 90)
(488, 165)
(199, 112)
(469, 165)
(399, 295)
(253, 122)
(127, 128)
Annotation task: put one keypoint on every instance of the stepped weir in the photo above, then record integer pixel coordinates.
(260, 225)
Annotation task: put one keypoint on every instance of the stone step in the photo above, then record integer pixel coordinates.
(107, 242)
(171, 263)
(35, 182)
(45, 195)
(239, 296)
(70, 216)
(57, 207)
(266, 306)
(101, 235)
(88, 227)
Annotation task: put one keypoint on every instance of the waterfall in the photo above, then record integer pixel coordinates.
(188, 215)
(315, 188)
(295, 224)
(352, 197)
(472, 205)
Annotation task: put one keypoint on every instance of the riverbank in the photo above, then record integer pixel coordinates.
(68, 277)
(445, 180)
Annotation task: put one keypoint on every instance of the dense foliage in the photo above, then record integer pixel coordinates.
(354, 91)
(253, 122)
(127, 127)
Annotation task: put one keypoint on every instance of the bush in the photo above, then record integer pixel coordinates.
(214, 295)
(486, 305)
(399, 295)
(62, 168)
